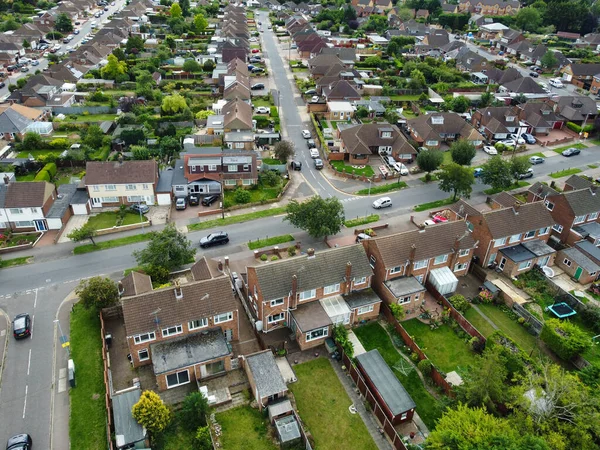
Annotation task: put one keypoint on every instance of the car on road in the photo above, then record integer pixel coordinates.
(318, 164)
(314, 153)
(97, 15)
(572, 151)
(528, 174)
(262, 110)
(314, 99)
(257, 86)
(556, 82)
(84, 41)
(35, 63)
(210, 199)
(544, 87)
(536, 69)
(180, 203)
(311, 143)
(536, 160)
(217, 238)
(21, 326)
(517, 138)
(194, 199)
(490, 150)
(253, 39)
(306, 134)
(75, 31)
(296, 165)
(106, 8)
(112, 4)
(477, 172)
(534, 74)
(310, 92)
(140, 208)
(529, 138)
(383, 202)
(19, 442)
(2, 84)
(269, 27)
(25, 69)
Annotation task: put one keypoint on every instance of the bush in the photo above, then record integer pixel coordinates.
(261, 121)
(590, 315)
(274, 112)
(270, 178)
(274, 258)
(397, 311)
(42, 175)
(291, 250)
(565, 339)
(158, 274)
(460, 303)
(194, 411)
(264, 257)
(425, 366)
(51, 169)
(577, 129)
(340, 335)
(241, 196)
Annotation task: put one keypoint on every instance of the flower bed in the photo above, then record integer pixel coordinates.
(10, 241)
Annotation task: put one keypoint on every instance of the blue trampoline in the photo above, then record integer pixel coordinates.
(562, 310)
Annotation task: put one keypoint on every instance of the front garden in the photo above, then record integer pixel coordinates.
(365, 171)
(9, 239)
(110, 219)
(269, 187)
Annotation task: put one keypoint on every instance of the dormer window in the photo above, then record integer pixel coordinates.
(437, 120)
(545, 112)
(510, 118)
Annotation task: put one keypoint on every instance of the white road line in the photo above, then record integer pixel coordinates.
(29, 362)
(313, 175)
(322, 187)
(32, 320)
(25, 404)
(35, 299)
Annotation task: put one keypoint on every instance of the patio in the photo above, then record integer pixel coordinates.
(555, 137)
(427, 310)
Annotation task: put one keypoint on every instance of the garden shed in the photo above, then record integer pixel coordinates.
(443, 280)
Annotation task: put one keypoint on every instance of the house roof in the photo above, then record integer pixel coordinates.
(505, 199)
(240, 110)
(115, 172)
(430, 126)
(577, 182)
(582, 260)
(325, 268)
(12, 121)
(200, 270)
(400, 287)
(364, 297)
(310, 316)
(509, 221)
(583, 201)
(524, 85)
(341, 89)
(136, 283)
(200, 299)
(66, 192)
(585, 69)
(397, 399)
(28, 194)
(464, 209)
(266, 374)
(189, 350)
(589, 249)
(541, 190)
(358, 139)
(430, 242)
(576, 107)
(127, 429)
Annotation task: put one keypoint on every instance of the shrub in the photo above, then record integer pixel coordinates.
(42, 175)
(291, 250)
(590, 315)
(274, 112)
(578, 129)
(414, 356)
(397, 311)
(158, 274)
(340, 335)
(59, 143)
(263, 257)
(274, 258)
(241, 196)
(51, 169)
(195, 408)
(425, 366)
(261, 121)
(460, 303)
(564, 338)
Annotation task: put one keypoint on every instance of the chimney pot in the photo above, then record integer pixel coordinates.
(310, 252)
(226, 261)
(220, 266)
(348, 277)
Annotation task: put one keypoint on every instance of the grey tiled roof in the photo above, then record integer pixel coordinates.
(577, 182)
(311, 316)
(590, 249)
(266, 374)
(13, 122)
(541, 190)
(62, 202)
(326, 268)
(579, 258)
(505, 199)
(127, 430)
(165, 181)
(136, 283)
(583, 201)
(403, 286)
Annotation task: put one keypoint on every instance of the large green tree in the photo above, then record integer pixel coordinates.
(549, 60)
(528, 19)
(113, 68)
(497, 173)
(168, 248)
(462, 152)
(284, 150)
(135, 44)
(82, 233)
(176, 11)
(63, 23)
(519, 165)
(456, 179)
(200, 23)
(93, 136)
(318, 217)
(97, 292)
(428, 161)
(151, 412)
(173, 104)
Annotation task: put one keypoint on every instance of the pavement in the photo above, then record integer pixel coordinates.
(4, 333)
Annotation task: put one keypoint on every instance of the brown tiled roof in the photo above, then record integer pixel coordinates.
(136, 283)
(508, 221)
(200, 299)
(541, 190)
(577, 182)
(583, 201)
(358, 139)
(452, 123)
(464, 209)
(97, 172)
(430, 242)
(237, 109)
(28, 194)
(200, 270)
(585, 69)
(505, 199)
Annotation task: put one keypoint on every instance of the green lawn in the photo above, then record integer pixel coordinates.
(565, 173)
(236, 219)
(87, 423)
(562, 149)
(340, 166)
(323, 404)
(104, 245)
(373, 336)
(275, 240)
(518, 184)
(435, 204)
(510, 327)
(593, 166)
(442, 345)
(404, 98)
(176, 436)
(382, 189)
(28, 177)
(350, 223)
(17, 239)
(257, 101)
(95, 118)
(272, 161)
(244, 427)
(108, 219)
(477, 320)
(38, 153)
(5, 263)
(261, 194)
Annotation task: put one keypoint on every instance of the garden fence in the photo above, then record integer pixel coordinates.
(107, 384)
(66, 110)
(535, 324)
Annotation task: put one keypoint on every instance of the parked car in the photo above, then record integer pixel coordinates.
(19, 442)
(318, 164)
(314, 153)
(257, 86)
(509, 142)
(314, 99)
(311, 143)
(545, 87)
(477, 172)
(534, 74)
(439, 218)
(536, 160)
(21, 326)
(310, 92)
(517, 138)
(180, 203)
(252, 39)
(362, 237)
(529, 138)
(258, 70)
(140, 208)
(210, 199)
(490, 150)
(527, 174)
(556, 82)
(383, 202)
(218, 238)
(306, 134)
(255, 59)
(255, 50)
(24, 69)
(536, 69)
(2, 84)
(35, 63)
(262, 110)
(572, 151)
(296, 165)
(194, 199)
(400, 168)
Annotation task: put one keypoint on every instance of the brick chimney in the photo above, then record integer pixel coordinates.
(456, 243)
(294, 293)
(348, 277)
(516, 207)
(6, 179)
(411, 260)
(310, 252)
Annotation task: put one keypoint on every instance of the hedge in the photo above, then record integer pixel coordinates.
(261, 121)
(51, 169)
(577, 129)
(564, 338)
(42, 175)
(274, 112)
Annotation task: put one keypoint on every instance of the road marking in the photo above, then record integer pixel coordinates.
(35, 299)
(32, 320)
(322, 187)
(29, 362)
(25, 404)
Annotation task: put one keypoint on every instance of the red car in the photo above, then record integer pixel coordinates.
(439, 219)
(255, 50)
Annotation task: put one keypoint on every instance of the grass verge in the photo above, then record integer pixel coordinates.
(244, 427)
(87, 424)
(562, 149)
(323, 405)
(390, 187)
(236, 219)
(518, 184)
(361, 220)
(565, 173)
(5, 263)
(593, 166)
(119, 242)
(260, 243)
(435, 204)
(366, 171)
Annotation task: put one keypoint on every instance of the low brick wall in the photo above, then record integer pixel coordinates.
(374, 228)
(18, 248)
(134, 226)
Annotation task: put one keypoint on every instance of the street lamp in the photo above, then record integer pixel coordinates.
(63, 338)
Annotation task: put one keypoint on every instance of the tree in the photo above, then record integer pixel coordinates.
(54, 35)
(208, 65)
(97, 292)
(565, 339)
(549, 60)
(176, 11)
(185, 7)
(200, 23)
(486, 99)
(202, 440)
(417, 79)
(429, 161)
(528, 19)
(168, 248)
(120, 54)
(169, 145)
(519, 165)
(63, 23)
(151, 412)
(173, 104)
(461, 104)
(113, 68)
(92, 136)
(204, 114)
(462, 152)
(284, 150)
(31, 141)
(26, 44)
(191, 66)
(194, 410)
(497, 173)
(134, 44)
(318, 217)
(86, 231)
(456, 179)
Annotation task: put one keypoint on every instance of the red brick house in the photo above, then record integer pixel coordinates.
(374, 139)
(431, 130)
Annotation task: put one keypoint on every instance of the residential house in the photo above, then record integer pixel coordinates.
(433, 43)
(490, 7)
(502, 76)
(448, 8)
(524, 85)
(532, 53)
(238, 125)
(373, 139)
(322, 63)
(539, 118)
(237, 90)
(114, 183)
(39, 91)
(589, 40)
(538, 192)
(184, 331)
(496, 122)
(433, 130)
(469, 61)
(491, 31)
(340, 90)
(306, 293)
(346, 55)
(507, 38)
(24, 205)
(578, 265)
(403, 262)
(580, 74)
(231, 52)
(340, 110)
(16, 120)
(266, 382)
(577, 109)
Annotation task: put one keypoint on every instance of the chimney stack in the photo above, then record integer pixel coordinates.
(6, 179)
(348, 277)
(516, 207)
(294, 293)
(121, 289)
(227, 261)
(456, 243)
(220, 266)
(310, 252)
(178, 290)
(413, 252)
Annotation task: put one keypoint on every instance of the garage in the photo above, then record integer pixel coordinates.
(164, 199)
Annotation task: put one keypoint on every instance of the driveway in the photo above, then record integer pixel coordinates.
(73, 223)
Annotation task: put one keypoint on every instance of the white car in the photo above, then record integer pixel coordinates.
(400, 168)
(314, 99)
(490, 150)
(519, 139)
(382, 202)
(306, 134)
(314, 153)
(253, 39)
(509, 142)
(545, 87)
(262, 110)
(556, 82)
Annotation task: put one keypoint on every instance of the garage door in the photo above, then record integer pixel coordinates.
(163, 199)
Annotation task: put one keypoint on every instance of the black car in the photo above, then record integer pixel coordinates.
(2, 84)
(194, 199)
(257, 70)
(296, 165)
(210, 199)
(572, 151)
(257, 86)
(529, 138)
(534, 74)
(311, 143)
(318, 164)
(21, 326)
(218, 238)
(140, 208)
(19, 442)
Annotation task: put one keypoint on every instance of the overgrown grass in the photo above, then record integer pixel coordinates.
(236, 219)
(5, 263)
(260, 194)
(87, 423)
(565, 173)
(383, 188)
(28, 177)
(323, 406)
(104, 245)
(361, 220)
(340, 166)
(108, 219)
(176, 436)
(593, 166)
(272, 161)
(562, 149)
(477, 320)
(435, 204)
(374, 336)
(516, 185)
(512, 329)
(260, 243)
(95, 118)
(244, 427)
(39, 153)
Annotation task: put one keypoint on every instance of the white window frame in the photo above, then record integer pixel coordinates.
(364, 310)
(514, 238)
(230, 182)
(460, 266)
(529, 235)
(499, 242)
(110, 187)
(144, 337)
(440, 259)
(579, 219)
(33, 210)
(277, 302)
(143, 350)
(557, 227)
(331, 289)
(404, 300)
(16, 210)
(96, 188)
(179, 383)
(431, 143)
(246, 167)
(593, 216)
(232, 168)
(274, 318)
(420, 278)
(372, 261)
(395, 270)
(524, 265)
(145, 187)
(23, 224)
(212, 167)
(304, 295)
(198, 323)
(130, 187)
(239, 145)
(420, 264)
(172, 331)
(361, 280)
(324, 330)
(567, 262)
(464, 252)
(544, 231)
(549, 205)
(220, 319)
(247, 182)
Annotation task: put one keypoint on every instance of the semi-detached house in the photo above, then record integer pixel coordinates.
(24, 205)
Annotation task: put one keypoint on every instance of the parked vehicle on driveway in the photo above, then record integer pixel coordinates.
(490, 150)
(140, 208)
(210, 199)
(180, 203)
(194, 199)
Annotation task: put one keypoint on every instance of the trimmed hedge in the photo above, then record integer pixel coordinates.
(42, 175)
(577, 129)
(51, 169)
(564, 338)
(274, 112)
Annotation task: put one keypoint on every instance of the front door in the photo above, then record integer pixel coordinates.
(40, 225)
(229, 334)
(97, 202)
(502, 263)
(578, 273)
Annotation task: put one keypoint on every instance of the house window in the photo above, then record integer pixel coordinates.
(317, 334)
(530, 234)
(514, 238)
(593, 216)
(372, 261)
(179, 188)
(247, 182)
(557, 227)
(332, 289)
(307, 295)
(177, 379)
(212, 167)
(33, 210)
(172, 331)
(579, 219)
(223, 317)
(364, 310)
(549, 205)
(145, 187)
(440, 259)
(499, 242)
(110, 187)
(96, 188)
(544, 231)
(525, 265)
(386, 134)
(276, 318)
(567, 262)
(232, 168)
(16, 211)
(460, 266)
(130, 187)
(404, 300)
(143, 354)
(420, 278)
(110, 199)
(146, 337)
(195, 324)
(431, 143)
(24, 224)
(361, 280)
(239, 145)
(464, 252)
(135, 198)
(246, 167)
(230, 182)
(396, 269)
(420, 264)
(277, 302)
(215, 368)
